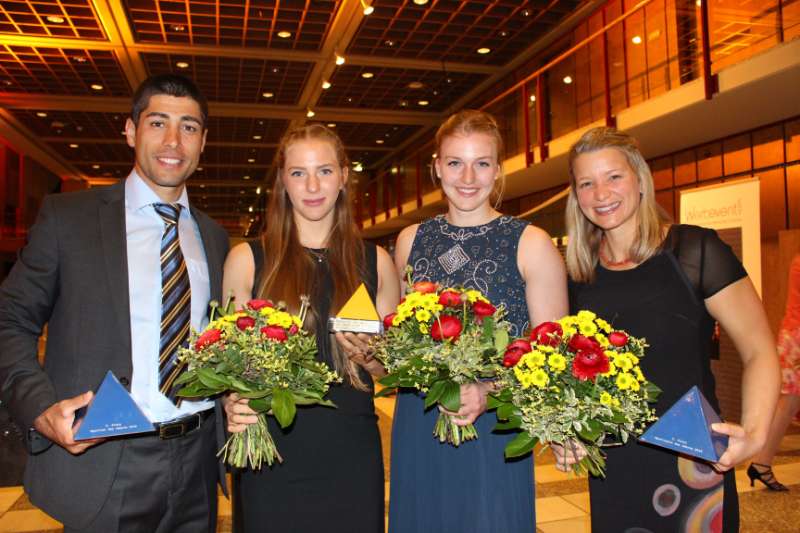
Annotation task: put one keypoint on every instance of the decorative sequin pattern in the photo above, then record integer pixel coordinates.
(482, 258)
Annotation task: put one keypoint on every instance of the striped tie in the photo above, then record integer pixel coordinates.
(176, 298)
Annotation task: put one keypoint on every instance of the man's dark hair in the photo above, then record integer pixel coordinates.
(171, 85)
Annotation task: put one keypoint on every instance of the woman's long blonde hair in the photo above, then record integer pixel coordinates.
(584, 237)
(470, 121)
(289, 270)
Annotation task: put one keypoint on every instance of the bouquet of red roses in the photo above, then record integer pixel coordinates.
(262, 353)
(577, 379)
(437, 340)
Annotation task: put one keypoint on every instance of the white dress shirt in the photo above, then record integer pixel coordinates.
(144, 229)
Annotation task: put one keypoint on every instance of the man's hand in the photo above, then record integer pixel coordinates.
(56, 422)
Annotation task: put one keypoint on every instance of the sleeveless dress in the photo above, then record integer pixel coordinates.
(331, 478)
(650, 489)
(789, 334)
(472, 488)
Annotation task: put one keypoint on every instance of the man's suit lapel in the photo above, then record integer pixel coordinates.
(115, 252)
(213, 254)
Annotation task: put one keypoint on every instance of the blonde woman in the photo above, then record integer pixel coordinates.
(666, 283)
(436, 487)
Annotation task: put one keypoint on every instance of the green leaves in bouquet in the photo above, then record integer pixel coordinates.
(520, 445)
(446, 392)
(283, 406)
(652, 392)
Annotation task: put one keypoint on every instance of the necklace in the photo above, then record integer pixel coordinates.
(609, 262)
(319, 255)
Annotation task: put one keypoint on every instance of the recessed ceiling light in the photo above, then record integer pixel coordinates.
(484, 50)
(310, 113)
(182, 64)
(423, 102)
(275, 70)
(367, 75)
(503, 33)
(95, 167)
(267, 94)
(533, 98)
(378, 141)
(178, 27)
(41, 114)
(96, 87)
(698, 3)
(416, 85)
(331, 124)
(245, 177)
(55, 19)
(420, 2)
(73, 145)
(258, 189)
(326, 84)
(250, 209)
(358, 168)
(403, 103)
(200, 169)
(526, 13)
(79, 59)
(368, 10)
(394, 170)
(256, 137)
(350, 99)
(636, 39)
(284, 34)
(388, 42)
(567, 79)
(251, 160)
(339, 59)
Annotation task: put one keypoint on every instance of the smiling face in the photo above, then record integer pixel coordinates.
(313, 178)
(607, 189)
(168, 141)
(468, 167)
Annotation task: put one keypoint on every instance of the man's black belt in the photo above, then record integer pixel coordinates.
(182, 426)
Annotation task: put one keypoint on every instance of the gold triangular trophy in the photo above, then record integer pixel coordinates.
(358, 315)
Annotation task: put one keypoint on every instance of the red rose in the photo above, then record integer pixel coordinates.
(275, 333)
(580, 343)
(617, 338)
(588, 363)
(482, 309)
(208, 338)
(425, 287)
(447, 327)
(245, 322)
(520, 344)
(293, 329)
(450, 299)
(255, 305)
(547, 333)
(512, 356)
(387, 320)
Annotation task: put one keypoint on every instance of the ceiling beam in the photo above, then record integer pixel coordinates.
(114, 21)
(26, 142)
(243, 52)
(222, 144)
(112, 104)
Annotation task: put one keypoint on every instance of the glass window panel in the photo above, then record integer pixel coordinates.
(685, 167)
(709, 161)
(736, 154)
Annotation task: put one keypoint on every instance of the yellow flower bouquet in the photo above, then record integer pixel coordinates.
(576, 379)
(262, 353)
(437, 340)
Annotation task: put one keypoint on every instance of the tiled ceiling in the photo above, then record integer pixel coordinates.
(69, 67)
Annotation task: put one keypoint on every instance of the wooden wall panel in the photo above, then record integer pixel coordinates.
(773, 203)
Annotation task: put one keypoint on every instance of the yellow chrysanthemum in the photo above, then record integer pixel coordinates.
(545, 348)
(533, 360)
(624, 381)
(615, 402)
(587, 327)
(266, 311)
(638, 373)
(523, 376)
(540, 378)
(606, 398)
(623, 361)
(603, 325)
(422, 315)
(233, 317)
(557, 362)
(603, 340)
(586, 315)
(633, 358)
(423, 328)
(634, 385)
(473, 296)
(612, 370)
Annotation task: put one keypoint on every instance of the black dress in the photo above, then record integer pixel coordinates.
(331, 478)
(650, 489)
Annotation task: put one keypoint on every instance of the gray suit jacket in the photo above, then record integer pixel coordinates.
(73, 276)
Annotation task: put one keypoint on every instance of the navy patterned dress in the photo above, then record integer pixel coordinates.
(472, 488)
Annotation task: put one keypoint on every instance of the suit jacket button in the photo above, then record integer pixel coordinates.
(124, 381)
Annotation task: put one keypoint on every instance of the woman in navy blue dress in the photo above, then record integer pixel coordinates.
(472, 488)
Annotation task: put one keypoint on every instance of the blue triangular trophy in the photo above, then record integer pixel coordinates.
(112, 412)
(686, 428)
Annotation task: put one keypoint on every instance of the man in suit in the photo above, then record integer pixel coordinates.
(119, 274)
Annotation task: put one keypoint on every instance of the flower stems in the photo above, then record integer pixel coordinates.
(446, 430)
(251, 447)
